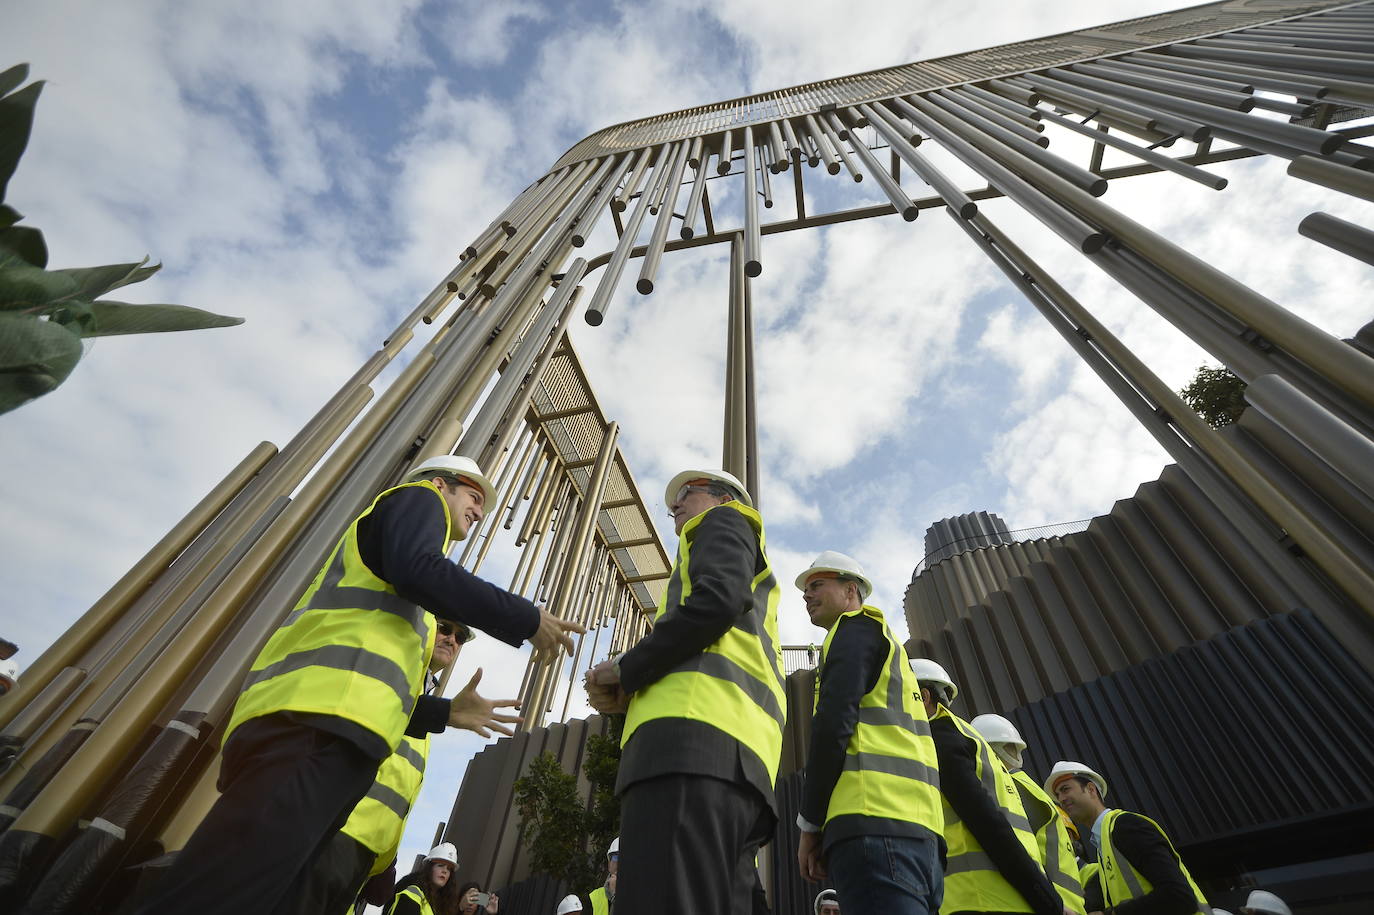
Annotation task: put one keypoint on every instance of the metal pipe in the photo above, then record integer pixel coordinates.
(753, 266)
(97, 622)
(661, 176)
(1123, 109)
(1131, 66)
(1028, 97)
(537, 517)
(774, 141)
(823, 145)
(956, 136)
(1080, 177)
(524, 490)
(1345, 237)
(1224, 98)
(637, 174)
(601, 298)
(794, 148)
(694, 152)
(723, 168)
(547, 231)
(834, 139)
(992, 99)
(1299, 85)
(1223, 121)
(508, 499)
(751, 445)
(587, 220)
(506, 493)
(900, 201)
(1338, 177)
(689, 217)
(1322, 56)
(767, 189)
(947, 189)
(1299, 62)
(654, 255)
(1169, 163)
(1347, 450)
(733, 445)
(1030, 128)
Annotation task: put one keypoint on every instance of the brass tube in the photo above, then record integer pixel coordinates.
(637, 174)
(558, 553)
(949, 191)
(189, 813)
(525, 491)
(752, 238)
(900, 201)
(587, 220)
(689, 217)
(654, 255)
(96, 622)
(547, 227)
(726, 154)
(548, 479)
(601, 298)
(505, 489)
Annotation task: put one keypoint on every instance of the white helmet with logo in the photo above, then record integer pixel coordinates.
(930, 673)
(570, 903)
(1066, 768)
(444, 851)
(843, 566)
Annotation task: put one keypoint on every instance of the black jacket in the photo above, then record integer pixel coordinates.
(1139, 842)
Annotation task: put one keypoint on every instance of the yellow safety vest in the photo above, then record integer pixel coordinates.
(415, 893)
(379, 819)
(972, 882)
(600, 904)
(1053, 839)
(1121, 881)
(890, 768)
(736, 684)
(352, 648)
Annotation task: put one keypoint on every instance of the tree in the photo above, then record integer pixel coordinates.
(45, 314)
(566, 836)
(1217, 395)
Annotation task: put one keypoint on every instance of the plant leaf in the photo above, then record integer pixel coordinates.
(13, 77)
(26, 242)
(8, 216)
(122, 318)
(35, 357)
(93, 282)
(25, 287)
(16, 122)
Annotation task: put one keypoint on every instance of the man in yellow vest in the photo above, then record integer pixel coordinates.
(993, 862)
(1140, 871)
(1054, 831)
(603, 897)
(705, 707)
(334, 689)
(870, 809)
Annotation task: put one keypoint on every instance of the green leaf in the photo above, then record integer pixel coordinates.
(121, 318)
(16, 122)
(35, 357)
(24, 287)
(13, 77)
(8, 216)
(93, 282)
(26, 242)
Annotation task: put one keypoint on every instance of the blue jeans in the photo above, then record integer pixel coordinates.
(887, 875)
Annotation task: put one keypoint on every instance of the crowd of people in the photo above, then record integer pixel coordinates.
(906, 807)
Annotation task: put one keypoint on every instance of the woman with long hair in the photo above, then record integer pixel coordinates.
(423, 893)
(471, 901)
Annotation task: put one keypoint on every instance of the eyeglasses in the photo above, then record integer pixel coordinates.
(689, 488)
(613, 856)
(461, 634)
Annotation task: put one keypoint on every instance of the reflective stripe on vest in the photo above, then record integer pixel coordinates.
(600, 904)
(379, 819)
(415, 894)
(972, 881)
(890, 769)
(351, 648)
(1121, 881)
(1053, 840)
(737, 683)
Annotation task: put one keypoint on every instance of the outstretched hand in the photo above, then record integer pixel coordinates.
(472, 712)
(553, 633)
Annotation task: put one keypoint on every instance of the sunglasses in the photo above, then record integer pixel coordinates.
(462, 634)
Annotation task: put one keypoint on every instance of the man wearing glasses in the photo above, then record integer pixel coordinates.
(705, 706)
(333, 692)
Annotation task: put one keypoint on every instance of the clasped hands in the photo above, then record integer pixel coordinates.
(604, 693)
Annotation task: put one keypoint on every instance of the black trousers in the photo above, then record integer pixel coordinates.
(287, 788)
(331, 884)
(687, 845)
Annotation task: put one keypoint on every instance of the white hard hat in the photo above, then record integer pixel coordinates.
(570, 903)
(9, 671)
(825, 896)
(455, 465)
(928, 672)
(996, 729)
(720, 476)
(615, 847)
(1266, 902)
(1069, 767)
(444, 851)
(842, 565)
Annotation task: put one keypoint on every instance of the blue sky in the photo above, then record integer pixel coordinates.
(315, 167)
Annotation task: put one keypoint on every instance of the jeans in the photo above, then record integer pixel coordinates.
(887, 875)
